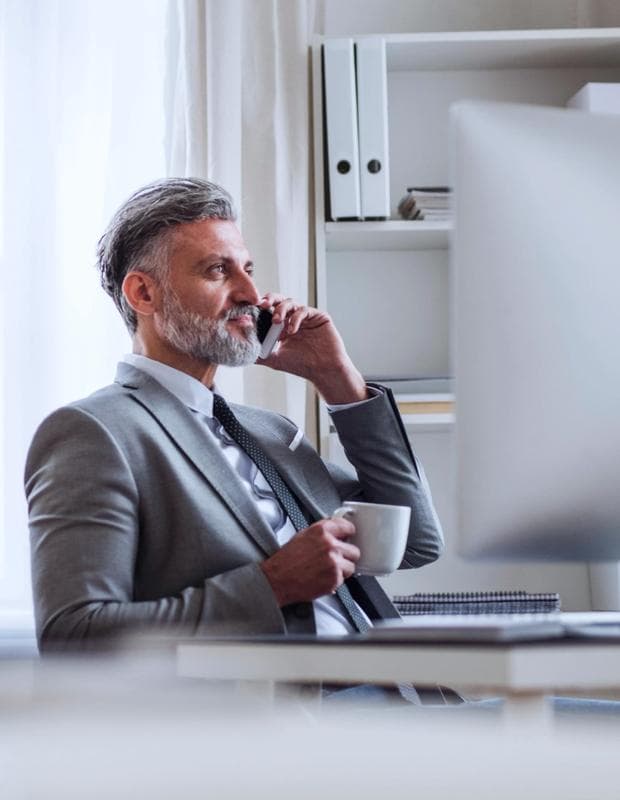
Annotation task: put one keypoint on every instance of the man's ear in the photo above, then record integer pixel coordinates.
(142, 292)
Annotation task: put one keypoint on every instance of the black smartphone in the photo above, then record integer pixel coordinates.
(268, 334)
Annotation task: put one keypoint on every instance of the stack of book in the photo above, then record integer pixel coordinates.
(421, 397)
(432, 203)
(416, 386)
(497, 602)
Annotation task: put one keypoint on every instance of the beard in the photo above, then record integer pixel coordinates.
(209, 339)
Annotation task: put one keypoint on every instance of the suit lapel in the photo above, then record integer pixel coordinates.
(288, 464)
(185, 430)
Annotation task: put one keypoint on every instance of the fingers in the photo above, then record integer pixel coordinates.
(279, 305)
(340, 527)
(345, 557)
(269, 299)
(286, 309)
(315, 562)
(295, 319)
(350, 553)
(344, 554)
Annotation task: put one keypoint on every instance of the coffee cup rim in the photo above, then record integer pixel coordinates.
(374, 505)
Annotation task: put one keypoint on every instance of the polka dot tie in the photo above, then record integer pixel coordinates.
(284, 496)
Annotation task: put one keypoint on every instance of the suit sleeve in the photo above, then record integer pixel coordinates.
(376, 444)
(84, 509)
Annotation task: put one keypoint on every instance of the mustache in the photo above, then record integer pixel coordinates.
(241, 311)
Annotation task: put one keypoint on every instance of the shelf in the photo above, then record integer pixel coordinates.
(389, 235)
(504, 49)
(428, 422)
(426, 73)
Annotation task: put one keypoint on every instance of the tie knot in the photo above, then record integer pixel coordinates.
(221, 408)
(219, 402)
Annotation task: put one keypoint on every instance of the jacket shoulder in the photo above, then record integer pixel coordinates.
(102, 408)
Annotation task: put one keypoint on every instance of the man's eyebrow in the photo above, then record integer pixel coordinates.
(213, 258)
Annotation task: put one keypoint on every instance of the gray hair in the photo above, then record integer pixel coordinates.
(138, 234)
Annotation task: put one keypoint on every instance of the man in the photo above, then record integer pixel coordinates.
(150, 505)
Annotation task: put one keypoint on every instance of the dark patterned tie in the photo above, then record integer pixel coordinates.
(283, 494)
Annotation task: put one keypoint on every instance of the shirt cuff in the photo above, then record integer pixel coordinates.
(372, 393)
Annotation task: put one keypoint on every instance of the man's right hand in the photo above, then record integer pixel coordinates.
(315, 562)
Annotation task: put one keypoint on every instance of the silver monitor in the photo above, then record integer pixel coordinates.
(536, 265)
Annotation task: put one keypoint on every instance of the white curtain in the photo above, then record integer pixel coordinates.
(238, 113)
(98, 98)
(82, 126)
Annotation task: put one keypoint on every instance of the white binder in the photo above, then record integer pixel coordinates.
(341, 126)
(373, 128)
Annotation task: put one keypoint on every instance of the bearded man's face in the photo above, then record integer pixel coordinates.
(209, 297)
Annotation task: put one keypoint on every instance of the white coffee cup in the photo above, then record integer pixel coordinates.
(380, 533)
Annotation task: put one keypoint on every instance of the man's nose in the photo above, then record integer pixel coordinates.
(245, 290)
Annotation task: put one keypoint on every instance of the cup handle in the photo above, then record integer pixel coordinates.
(343, 511)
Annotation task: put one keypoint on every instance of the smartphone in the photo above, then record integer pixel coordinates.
(268, 334)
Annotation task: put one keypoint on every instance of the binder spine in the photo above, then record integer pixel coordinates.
(373, 128)
(342, 131)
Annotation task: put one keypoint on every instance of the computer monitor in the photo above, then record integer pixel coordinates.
(536, 266)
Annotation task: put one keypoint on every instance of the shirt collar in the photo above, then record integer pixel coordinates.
(187, 389)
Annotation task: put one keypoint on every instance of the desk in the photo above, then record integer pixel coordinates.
(523, 672)
(125, 727)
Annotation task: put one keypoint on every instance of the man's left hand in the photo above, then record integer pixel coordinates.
(311, 346)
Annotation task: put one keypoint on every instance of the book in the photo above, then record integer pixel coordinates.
(416, 387)
(429, 211)
(491, 602)
(425, 406)
(426, 202)
(437, 203)
(429, 191)
(431, 216)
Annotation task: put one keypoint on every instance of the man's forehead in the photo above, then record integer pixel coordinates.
(209, 236)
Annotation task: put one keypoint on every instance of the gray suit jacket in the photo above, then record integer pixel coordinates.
(137, 520)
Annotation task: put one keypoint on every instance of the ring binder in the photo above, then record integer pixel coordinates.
(373, 128)
(341, 127)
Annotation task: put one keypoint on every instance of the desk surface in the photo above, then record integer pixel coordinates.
(98, 729)
(524, 667)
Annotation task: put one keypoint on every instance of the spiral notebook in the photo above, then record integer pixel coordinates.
(490, 602)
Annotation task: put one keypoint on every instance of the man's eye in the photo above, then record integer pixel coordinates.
(218, 269)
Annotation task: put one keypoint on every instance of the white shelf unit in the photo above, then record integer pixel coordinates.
(387, 284)
(393, 234)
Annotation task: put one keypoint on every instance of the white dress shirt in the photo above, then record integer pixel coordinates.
(329, 615)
